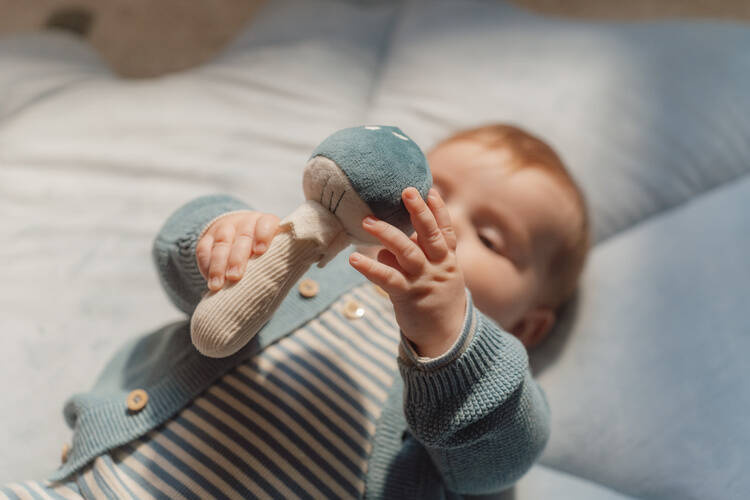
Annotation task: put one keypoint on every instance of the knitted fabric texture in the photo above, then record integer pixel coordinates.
(226, 320)
(380, 162)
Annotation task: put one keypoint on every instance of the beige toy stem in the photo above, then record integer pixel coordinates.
(227, 319)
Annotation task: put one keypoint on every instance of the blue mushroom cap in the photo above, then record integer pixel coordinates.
(380, 162)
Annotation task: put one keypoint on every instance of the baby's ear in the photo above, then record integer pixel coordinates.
(533, 327)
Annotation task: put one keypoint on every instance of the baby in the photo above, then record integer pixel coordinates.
(314, 406)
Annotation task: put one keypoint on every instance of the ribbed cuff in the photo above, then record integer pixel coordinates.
(410, 357)
(486, 354)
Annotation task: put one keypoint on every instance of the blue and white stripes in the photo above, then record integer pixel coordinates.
(296, 421)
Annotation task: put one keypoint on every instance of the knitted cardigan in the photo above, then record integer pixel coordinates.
(471, 421)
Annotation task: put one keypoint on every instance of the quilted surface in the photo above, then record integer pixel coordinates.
(645, 374)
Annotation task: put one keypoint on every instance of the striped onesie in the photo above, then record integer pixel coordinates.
(294, 421)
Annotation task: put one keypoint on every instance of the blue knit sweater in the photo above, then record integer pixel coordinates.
(469, 422)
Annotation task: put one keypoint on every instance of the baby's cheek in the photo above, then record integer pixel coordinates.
(498, 289)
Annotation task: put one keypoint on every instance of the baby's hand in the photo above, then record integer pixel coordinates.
(420, 274)
(230, 241)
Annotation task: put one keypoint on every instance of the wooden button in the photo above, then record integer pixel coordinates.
(308, 288)
(137, 400)
(380, 291)
(65, 452)
(353, 310)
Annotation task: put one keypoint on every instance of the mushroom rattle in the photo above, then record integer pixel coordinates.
(353, 173)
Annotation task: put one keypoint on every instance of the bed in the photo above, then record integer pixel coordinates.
(645, 372)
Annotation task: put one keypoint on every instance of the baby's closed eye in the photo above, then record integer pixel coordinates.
(491, 238)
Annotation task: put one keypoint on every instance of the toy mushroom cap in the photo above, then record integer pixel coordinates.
(380, 162)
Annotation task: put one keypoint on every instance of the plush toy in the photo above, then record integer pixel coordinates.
(355, 172)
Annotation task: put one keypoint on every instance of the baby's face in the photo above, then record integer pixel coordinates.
(507, 223)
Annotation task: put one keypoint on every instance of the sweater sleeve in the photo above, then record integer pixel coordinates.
(173, 250)
(476, 408)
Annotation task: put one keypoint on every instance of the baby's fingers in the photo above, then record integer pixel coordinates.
(265, 230)
(429, 233)
(442, 217)
(203, 254)
(223, 239)
(388, 278)
(410, 257)
(241, 249)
